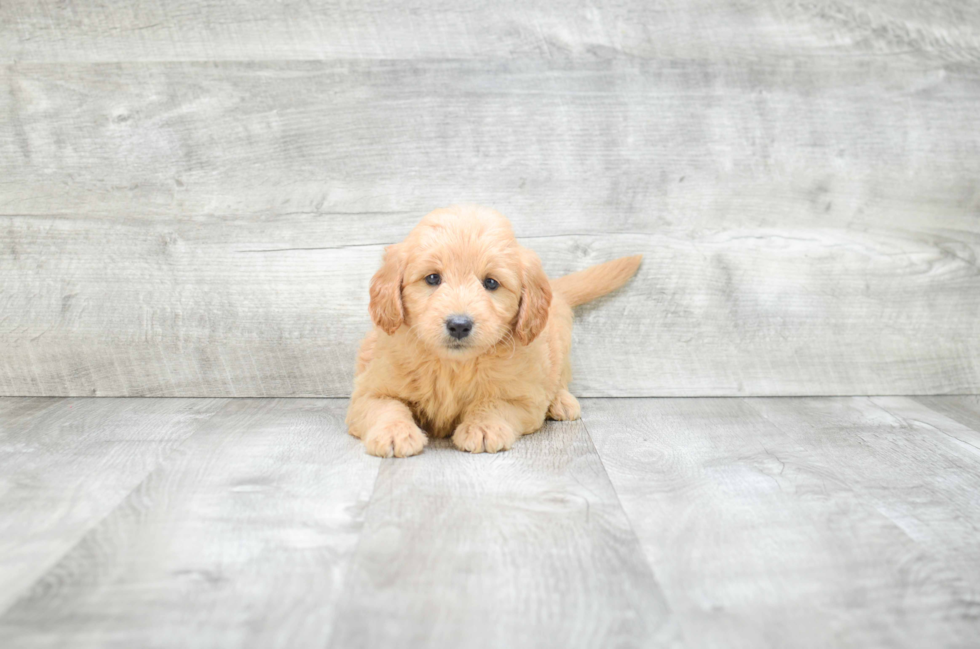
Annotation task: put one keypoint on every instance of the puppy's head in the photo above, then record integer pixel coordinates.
(461, 284)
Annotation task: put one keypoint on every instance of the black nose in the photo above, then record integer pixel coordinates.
(459, 326)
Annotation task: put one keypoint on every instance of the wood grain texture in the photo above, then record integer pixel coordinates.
(920, 472)
(66, 464)
(965, 430)
(240, 539)
(800, 522)
(721, 314)
(607, 145)
(788, 522)
(528, 548)
(208, 229)
(69, 31)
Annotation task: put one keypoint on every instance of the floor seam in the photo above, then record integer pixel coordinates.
(25, 593)
(345, 574)
(636, 537)
(972, 447)
(975, 427)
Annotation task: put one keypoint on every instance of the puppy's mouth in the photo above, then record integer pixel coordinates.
(455, 347)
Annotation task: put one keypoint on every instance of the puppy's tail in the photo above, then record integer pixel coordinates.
(586, 285)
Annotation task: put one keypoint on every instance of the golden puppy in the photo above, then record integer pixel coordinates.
(471, 337)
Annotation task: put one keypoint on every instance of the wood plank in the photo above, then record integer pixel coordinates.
(239, 540)
(798, 522)
(70, 30)
(209, 229)
(528, 548)
(716, 314)
(65, 464)
(606, 146)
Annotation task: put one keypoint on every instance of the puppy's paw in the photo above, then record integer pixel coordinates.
(397, 438)
(565, 407)
(491, 436)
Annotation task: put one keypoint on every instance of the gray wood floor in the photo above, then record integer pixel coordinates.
(727, 522)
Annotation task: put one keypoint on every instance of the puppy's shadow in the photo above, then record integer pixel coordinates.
(441, 444)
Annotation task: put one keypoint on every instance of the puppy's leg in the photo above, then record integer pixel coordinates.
(385, 426)
(495, 426)
(564, 407)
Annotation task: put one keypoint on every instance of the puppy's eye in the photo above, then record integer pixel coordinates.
(433, 279)
(490, 284)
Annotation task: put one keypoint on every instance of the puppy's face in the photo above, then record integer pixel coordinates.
(462, 284)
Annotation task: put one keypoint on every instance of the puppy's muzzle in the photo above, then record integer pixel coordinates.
(459, 326)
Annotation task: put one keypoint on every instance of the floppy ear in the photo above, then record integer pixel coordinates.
(386, 308)
(532, 315)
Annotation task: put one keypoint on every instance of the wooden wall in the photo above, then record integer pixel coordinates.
(193, 195)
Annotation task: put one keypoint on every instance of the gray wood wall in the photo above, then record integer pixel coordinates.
(193, 195)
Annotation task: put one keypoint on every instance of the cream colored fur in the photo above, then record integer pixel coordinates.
(514, 369)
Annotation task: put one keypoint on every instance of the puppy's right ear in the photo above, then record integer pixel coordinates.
(386, 308)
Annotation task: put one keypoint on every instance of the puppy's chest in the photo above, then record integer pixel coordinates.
(441, 395)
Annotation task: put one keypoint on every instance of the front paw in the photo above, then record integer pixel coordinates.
(565, 407)
(395, 438)
(488, 435)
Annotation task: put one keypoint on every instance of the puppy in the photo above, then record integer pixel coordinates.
(471, 339)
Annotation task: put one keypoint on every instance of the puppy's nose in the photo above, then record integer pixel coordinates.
(459, 326)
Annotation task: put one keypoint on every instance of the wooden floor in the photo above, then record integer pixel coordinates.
(782, 522)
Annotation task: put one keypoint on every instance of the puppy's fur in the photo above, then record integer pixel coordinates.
(497, 383)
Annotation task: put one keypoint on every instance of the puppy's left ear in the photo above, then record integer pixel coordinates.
(532, 315)
(386, 308)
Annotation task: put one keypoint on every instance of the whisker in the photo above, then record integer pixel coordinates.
(508, 338)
